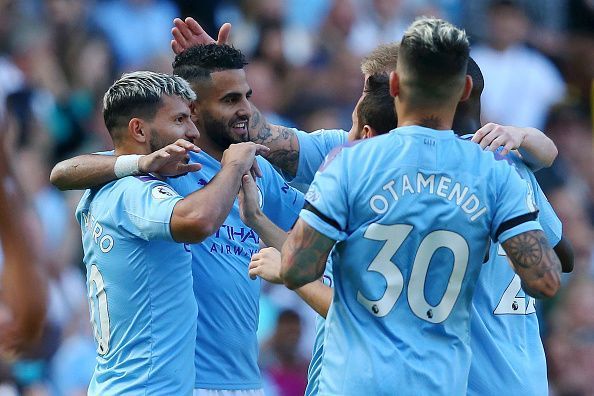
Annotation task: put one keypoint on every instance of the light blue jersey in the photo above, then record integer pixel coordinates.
(226, 354)
(313, 148)
(507, 353)
(315, 365)
(413, 219)
(139, 280)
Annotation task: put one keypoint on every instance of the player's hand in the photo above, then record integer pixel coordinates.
(189, 33)
(249, 202)
(243, 155)
(492, 136)
(171, 160)
(267, 265)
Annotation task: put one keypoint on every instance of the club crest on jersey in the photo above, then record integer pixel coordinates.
(162, 192)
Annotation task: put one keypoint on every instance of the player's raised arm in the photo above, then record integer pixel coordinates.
(267, 262)
(304, 255)
(537, 149)
(201, 213)
(189, 33)
(253, 217)
(535, 262)
(91, 170)
(267, 265)
(282, 141)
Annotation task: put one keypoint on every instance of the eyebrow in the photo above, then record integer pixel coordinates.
(235, 94)
(182, 113)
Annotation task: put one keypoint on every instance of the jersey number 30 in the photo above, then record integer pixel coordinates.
(394, 236)
(100, 324)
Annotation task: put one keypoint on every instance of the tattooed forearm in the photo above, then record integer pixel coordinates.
(287, 160)
(527, 249)
(282, 142)
(535, 262)
(304, 255)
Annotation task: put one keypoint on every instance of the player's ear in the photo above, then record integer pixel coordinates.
(368, 132)
(394, 83)
(137, 129)
(467, 88)
(194, 107)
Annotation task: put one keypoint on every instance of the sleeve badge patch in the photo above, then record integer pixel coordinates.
(163, 192)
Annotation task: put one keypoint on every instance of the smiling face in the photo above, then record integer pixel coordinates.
(222, 111)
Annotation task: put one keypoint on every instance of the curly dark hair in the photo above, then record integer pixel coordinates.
(199, 62)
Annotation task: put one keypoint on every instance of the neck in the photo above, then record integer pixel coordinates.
(439, 118)
(124, 148)
(433, 120)
(209, 147)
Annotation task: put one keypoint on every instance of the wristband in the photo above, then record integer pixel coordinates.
(126, 165)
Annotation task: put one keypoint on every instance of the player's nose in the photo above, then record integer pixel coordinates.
(192, 132)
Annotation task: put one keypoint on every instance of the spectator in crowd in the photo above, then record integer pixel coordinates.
(515, 71)
(280, 358)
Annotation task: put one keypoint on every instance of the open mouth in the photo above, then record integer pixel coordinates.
(240, 127)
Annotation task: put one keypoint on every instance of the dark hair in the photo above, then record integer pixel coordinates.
(478, 81)
(139, 94)
(467, 118)
(197, 63)
(433, 55)
(377, 106)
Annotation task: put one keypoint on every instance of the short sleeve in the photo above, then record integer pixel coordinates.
(327, 196)
(313, 148)
(515, 209)
(548, 219)
(145, 207)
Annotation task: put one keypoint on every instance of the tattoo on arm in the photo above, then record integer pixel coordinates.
(304, 255)
(282, 142)
(527, 250)
(535, 262)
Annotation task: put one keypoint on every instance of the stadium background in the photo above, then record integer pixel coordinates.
(57, 57)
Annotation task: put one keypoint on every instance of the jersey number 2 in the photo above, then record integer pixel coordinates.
(511, 303)
(393, 236)
(100, 324)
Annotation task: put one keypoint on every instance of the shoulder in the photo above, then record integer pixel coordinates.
(329, 137)
(132, 186)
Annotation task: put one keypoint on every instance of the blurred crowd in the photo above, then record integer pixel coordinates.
(57, 58)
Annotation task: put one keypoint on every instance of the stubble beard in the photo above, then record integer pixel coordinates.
(220, 133)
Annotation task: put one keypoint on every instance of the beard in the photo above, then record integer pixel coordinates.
(219, 132)
(156, 142)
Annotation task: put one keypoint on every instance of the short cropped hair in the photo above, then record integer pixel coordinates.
(432, 59)
(377, 106)
(382, 59)
(478, 81)
(139, 94)
(197, 63)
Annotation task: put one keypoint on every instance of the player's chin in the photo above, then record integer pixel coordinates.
(241, 138)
